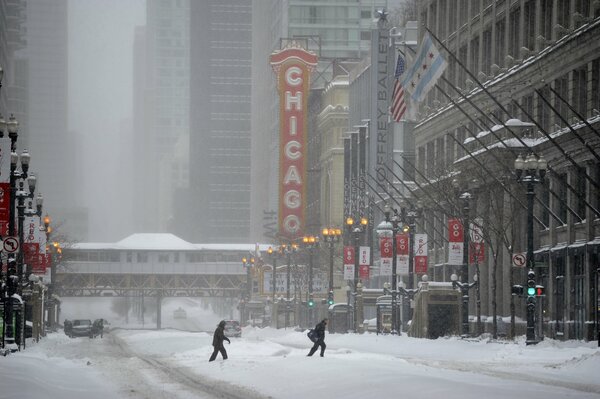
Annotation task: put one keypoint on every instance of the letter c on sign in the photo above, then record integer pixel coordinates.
(293, 76)
(292, 150)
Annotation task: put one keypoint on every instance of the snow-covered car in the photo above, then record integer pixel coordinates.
(179, 313)
(232, 328)
(81, 328)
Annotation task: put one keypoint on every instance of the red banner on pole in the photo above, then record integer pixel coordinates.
(476, 252)
(4, 208)
(385, 247)
(363, 271)
(348, 263)
(402, 244)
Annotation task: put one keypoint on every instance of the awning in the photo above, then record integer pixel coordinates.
(577, 247)
(542, 250)
(561, 246)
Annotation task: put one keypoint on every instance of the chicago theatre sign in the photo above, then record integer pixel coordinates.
(293, 67)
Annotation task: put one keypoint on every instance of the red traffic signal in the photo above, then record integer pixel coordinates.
(539, 290)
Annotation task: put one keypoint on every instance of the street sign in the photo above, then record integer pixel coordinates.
(519, 259)
(10, 244)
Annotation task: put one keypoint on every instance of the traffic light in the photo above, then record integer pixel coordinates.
(311, 303)
(540, 290)
(330, 299)
(531, 291)
(517, 290)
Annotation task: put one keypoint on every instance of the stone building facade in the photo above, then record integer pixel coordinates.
(529, 55)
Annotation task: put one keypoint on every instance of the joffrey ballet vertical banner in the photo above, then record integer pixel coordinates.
(4, 185)
(293, 66)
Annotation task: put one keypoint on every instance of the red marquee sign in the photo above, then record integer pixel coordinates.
(293, 67)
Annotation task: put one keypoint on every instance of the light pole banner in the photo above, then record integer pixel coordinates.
(402, 260)
(348, 263)
(385, 248)
(293, 66)
(4, 160)
(420, 251)
(476, 245)
(455, 242)
(364, 258)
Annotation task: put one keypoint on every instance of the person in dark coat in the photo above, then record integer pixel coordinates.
(218, 338)
(320, 331)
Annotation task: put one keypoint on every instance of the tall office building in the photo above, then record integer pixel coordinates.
(161, 109)
(335, 31)
(13, 95)
(47, 136)
(220, 53)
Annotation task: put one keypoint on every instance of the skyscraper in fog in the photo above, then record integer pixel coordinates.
(218, 209)
(161, 109)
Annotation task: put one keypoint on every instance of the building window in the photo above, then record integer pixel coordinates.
(128, 257)
(581, 187)
(513, 33)
(176, 257)
(563, 13)
(365, 35)
(545, 199)
(142, 257)
(561, 190)
(546, 19)
(462, 56)
(527, 104)
(543, 109)
(474, 65)
(486, 56)
(461, 135)
(163, 257)
(561, 87)
(365, 14)
(596, 84)
(464, 11)
(580, 90)
(452, 20)
(529, 28)
(442, 20)
(430, 159)
(500, 42)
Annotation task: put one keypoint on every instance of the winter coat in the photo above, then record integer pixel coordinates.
(219, 336)
(320, 330)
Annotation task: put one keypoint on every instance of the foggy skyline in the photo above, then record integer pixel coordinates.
(100, 105)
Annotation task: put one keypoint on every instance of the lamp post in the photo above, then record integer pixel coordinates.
(530, 171)
(331, 236)
(310, 243)
(389, 228)
(464, 274)
(356, 227)
(464, 288)
(288, 250)
(247, 263)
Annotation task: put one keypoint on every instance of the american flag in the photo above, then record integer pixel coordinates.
(398, 107)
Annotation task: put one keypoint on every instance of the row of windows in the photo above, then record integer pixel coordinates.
(437, 155)
(143, 257)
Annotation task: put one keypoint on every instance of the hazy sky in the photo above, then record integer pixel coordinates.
(100, 92)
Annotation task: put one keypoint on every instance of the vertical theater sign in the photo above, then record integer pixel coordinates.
(293, 66)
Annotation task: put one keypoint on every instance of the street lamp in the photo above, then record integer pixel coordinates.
(464, 274)
(389, 228)
(530, 171)
(288, 250)
(247, 263)
(310, 243)
(331, 236)
(356, 227)
(464, 288)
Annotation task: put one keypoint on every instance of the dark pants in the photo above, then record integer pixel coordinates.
(217, 350)
(320, 343)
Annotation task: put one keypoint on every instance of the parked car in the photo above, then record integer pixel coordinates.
(232, 328)
(179, 313)
(81, 328)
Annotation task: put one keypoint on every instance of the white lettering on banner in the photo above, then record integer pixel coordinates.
(292, 175)
(291, 223)
(402, 264)
(292, 199)
(385, 268)
(293, 126)
(348, 272)
(365, 256)
(289, 153)
(420, 248)
(293, 100)
(293, 76)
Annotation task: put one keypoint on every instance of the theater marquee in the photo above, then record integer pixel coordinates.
(293, 67)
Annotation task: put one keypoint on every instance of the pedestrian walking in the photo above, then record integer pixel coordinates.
(319, 332)
(218, 338)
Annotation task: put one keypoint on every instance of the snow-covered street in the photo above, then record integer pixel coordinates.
(273, 363)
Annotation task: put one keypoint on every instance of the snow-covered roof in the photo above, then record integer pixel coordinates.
(165, 242)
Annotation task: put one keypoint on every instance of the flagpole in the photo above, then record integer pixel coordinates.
(586, 145)
(550, 169)
(583, 119)
(474, 135)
